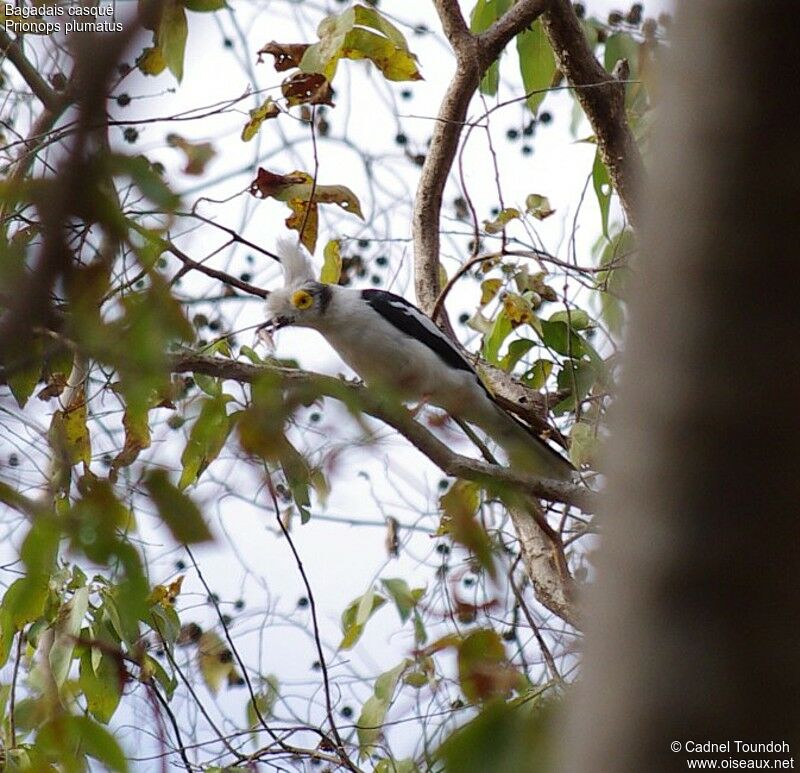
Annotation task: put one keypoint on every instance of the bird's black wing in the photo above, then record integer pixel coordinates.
(408, 319)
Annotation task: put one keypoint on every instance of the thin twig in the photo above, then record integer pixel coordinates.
(12, 700)
(545, 650)
(317, 639)
(231, 644)
(174, 722)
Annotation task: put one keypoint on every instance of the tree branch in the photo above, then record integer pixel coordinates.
(400, 419)
(222, 276)
(38, 85)
(545, 562)
(604, 105)
(474, 55)
(542, 548)
(507, 27)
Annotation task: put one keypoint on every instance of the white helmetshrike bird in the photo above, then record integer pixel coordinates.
(395, 348)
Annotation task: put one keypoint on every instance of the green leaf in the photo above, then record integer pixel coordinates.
(420, 634)
(621, 45)
(151, 61)
(577, 319)
(516, 351)
(402, 596)
(396, 766)
(24, 601)
(504, 217)
(601, 182)
(332, 263)
(67, 627)
(374, 710)
(251, 354)
(538, 206)
(298, 477)
(166, 621)
(558, 336)
(613, 284)
(23, 376)
(65, 736)
(537, 64)
(503, 737)
(265, 700)
(501, 329)
(206, 439)
(266, 110)
(172, 32)
(101, 684)
(205, 6)
(577, 377)
(167, 682)
(179, 513)
(147, 180)
(355, 617)
(360, 32)
(484, 14)
(583, 444)
(537, 376)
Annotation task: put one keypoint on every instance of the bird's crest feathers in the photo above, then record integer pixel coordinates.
(296, 263)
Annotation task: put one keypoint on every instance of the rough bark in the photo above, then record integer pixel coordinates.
(602, 98)
(545, 563)
(693, 628)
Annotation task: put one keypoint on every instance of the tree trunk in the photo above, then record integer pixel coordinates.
(693, 629)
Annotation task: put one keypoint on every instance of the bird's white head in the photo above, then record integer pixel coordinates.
(301, 301)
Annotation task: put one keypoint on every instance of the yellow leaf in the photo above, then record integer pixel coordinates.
(360, 32)
(151, 61)
(489, 289)
(268, 109)
(305, 220)
(504, 217)
(332, 263)
(459, 506)
(68, 429)
(517, 308)
(137, 437)
(215, 661)
(296, 189)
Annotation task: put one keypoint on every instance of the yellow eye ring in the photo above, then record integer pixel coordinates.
(302, 300)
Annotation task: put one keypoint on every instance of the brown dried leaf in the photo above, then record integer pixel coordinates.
(307, 88)
(287, 55)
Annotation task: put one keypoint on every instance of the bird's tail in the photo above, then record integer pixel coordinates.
(526, 451)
